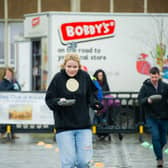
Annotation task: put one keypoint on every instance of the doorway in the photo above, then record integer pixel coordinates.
(36, 64)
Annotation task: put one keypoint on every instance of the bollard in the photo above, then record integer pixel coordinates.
(141, 131)
(94, 129)
(54, 131)
(8, 131)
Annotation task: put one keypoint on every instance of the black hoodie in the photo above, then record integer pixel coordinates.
(77, 115)
(158, 110)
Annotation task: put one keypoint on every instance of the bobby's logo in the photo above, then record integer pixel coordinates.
(83, 31)
(35, 21)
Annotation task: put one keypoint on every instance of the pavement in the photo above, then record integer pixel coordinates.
(40, 150)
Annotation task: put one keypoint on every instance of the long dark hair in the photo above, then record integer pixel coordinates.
(104, 83)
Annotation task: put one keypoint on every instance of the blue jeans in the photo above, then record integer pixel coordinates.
(75, 148)
(158, 129)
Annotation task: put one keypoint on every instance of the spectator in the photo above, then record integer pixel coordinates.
(153, 98)
(103, 116)
(96, 83)
(69, 95)
(102, 79)
(9, 83)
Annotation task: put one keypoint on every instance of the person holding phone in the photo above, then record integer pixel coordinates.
(69, 95)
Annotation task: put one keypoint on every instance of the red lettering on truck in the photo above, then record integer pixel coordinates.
(81, 31)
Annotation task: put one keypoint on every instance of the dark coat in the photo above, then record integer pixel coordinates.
(77, 115)
(157, 110)
(6, 85)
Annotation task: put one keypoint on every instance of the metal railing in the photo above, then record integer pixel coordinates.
(123, 116)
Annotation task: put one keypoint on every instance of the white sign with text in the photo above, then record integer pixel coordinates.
(24, 108)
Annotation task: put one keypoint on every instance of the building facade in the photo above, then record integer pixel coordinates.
(12, 15)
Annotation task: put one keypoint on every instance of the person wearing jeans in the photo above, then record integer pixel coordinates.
(69, 96)
(153, 98)
(159, 135)
(75, 147)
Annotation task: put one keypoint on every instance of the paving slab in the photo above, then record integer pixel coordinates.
(38, 151)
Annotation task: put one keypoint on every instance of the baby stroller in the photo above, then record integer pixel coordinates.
(104, 118)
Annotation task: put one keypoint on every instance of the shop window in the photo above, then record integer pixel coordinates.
(36, 65)
(16, 33)
(2, 57)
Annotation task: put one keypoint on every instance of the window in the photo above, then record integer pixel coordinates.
(2, 57)
(16, 32)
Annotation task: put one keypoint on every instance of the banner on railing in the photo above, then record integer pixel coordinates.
(24, 108)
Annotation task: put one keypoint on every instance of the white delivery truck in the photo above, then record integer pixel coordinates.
(125, 46)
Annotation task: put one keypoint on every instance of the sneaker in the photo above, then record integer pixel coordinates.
(159, 163)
